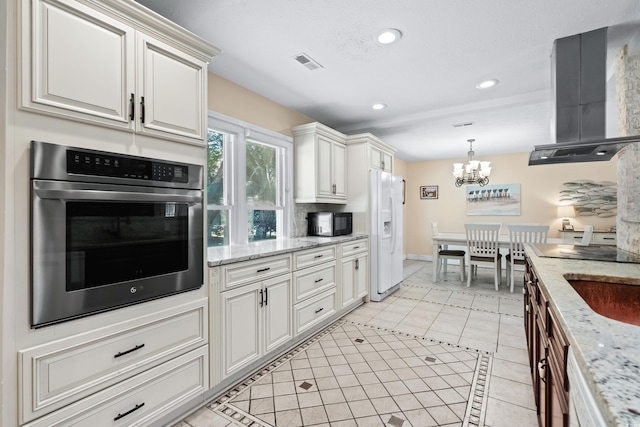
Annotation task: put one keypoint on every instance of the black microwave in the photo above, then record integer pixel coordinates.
(329, 223)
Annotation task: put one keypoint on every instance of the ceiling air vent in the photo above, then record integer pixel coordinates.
(307, 61)
(461, 125)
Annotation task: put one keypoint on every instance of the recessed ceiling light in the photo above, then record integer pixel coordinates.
(487, 84)
(379, 106)
(389, 35)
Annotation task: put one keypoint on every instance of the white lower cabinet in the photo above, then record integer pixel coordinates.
(354, 270)
(65, 373)
(256, 318)
(290, 296)
(140, 400)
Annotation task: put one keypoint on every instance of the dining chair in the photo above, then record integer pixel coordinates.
(586, 236)
(482, 246)
(446, 254)
(519, 234)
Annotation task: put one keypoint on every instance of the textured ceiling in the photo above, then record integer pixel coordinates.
(427, 79)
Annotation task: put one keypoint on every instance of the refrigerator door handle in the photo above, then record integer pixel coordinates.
(393, 226)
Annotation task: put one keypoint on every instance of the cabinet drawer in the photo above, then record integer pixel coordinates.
(355, 247)
(59, 373)
(311, 257)
(314, 310)
(253, 271)
(313, 280)
(571, 237)
(140, 400)
(604, 238)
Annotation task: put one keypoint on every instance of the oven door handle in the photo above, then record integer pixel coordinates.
(190, 197)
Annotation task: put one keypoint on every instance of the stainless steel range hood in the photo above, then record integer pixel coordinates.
(584, 104)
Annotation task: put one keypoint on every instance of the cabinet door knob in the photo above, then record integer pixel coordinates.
(357, 264)
(261, 298)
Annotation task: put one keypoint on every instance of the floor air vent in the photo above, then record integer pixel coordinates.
(306, 60)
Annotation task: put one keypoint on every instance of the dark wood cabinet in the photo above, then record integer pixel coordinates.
(547, 347)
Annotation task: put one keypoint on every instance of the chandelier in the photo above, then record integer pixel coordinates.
(474, 172)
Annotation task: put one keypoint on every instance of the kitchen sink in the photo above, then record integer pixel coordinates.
(612, 297)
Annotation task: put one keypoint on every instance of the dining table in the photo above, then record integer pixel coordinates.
(460, 239)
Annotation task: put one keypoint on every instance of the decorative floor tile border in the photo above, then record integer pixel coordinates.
(459, 306)
(476, 403)
(418, 337)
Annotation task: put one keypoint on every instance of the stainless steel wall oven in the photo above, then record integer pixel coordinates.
(110, 230)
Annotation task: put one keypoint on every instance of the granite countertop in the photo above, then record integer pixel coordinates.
(607, 351)
(229, 254)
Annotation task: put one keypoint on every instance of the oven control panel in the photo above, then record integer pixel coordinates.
(112, 165)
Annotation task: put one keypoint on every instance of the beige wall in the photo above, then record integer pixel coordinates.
(228, 98)
(539, 185)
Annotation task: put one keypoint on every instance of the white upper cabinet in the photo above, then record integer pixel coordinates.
(111, 63)
(380, 159)
(320, 164)
(377, 153)
(82, 63)
(171, 92)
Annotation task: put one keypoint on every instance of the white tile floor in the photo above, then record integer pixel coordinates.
(428, 355)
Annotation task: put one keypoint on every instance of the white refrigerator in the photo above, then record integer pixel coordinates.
(385, 234)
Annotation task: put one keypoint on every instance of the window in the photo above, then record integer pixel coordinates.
(248, 181)
(217, 206)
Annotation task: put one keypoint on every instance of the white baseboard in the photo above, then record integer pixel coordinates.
(419, 257)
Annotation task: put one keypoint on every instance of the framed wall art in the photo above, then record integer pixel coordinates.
(429, 192)
(493, 199)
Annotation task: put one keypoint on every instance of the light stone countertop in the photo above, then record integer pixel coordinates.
(607, 351)
(221, 255)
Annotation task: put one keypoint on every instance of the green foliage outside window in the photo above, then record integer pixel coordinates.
(261, 172)
(217, 221)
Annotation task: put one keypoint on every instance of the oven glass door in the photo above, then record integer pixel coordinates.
(111, 242)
